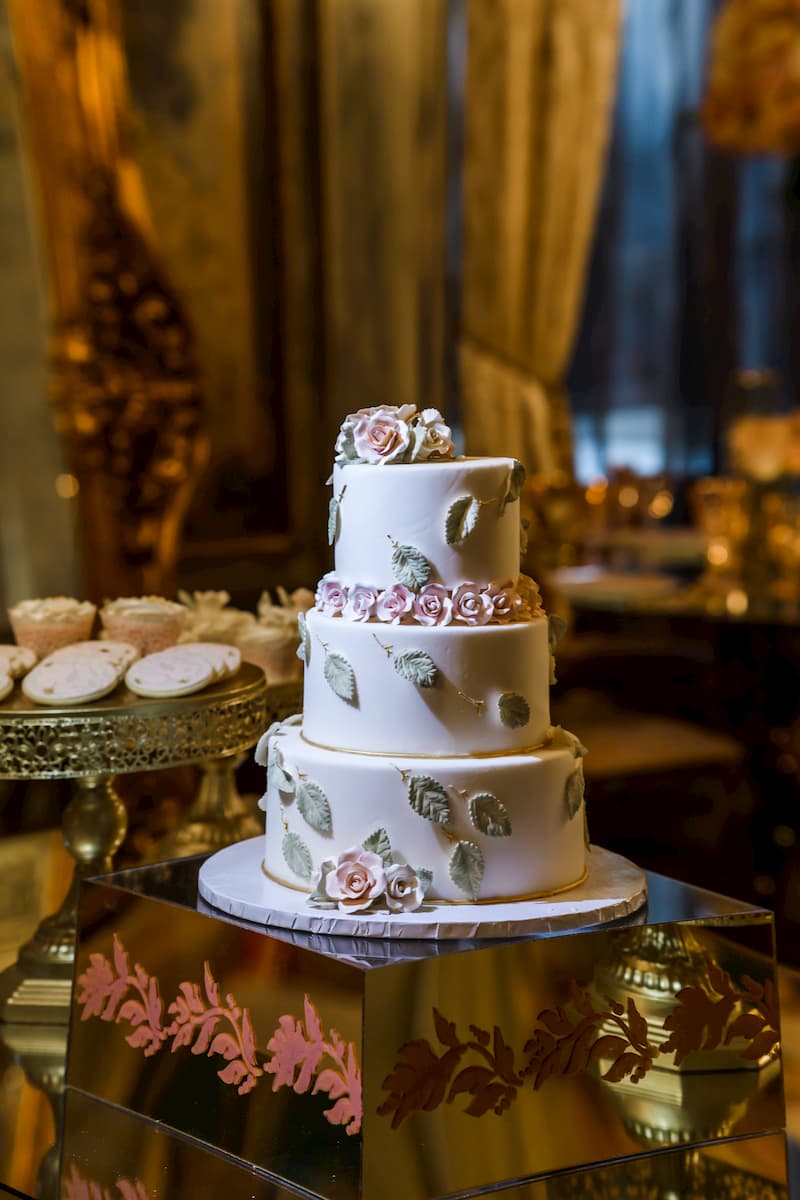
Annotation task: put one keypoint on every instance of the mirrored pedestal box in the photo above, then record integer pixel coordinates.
(640, 1058)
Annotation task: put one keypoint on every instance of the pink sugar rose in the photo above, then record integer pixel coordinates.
(360, 602)
(381, 435)
(433, 606)
(507, 603)
(471, 605)
(437, 442)
(404, 891)
(331, 596)
(394, 604)
(357, 879)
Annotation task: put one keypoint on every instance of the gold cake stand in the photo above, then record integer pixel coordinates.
(90, 745)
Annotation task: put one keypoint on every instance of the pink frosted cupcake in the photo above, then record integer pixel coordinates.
(148, 622)
(48, 624)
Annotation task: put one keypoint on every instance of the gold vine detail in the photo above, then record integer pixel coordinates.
(568, 1040)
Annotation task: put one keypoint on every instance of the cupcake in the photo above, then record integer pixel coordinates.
(149, 623)
(47, 624)
(272, 642)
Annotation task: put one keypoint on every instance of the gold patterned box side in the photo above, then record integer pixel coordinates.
(641, 1038)
(337, 1063)
(233, 1038)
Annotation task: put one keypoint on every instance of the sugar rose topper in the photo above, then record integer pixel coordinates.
(392, 434)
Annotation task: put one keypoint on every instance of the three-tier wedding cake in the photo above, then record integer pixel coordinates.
(424, 769)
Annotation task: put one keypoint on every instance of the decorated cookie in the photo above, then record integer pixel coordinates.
(58, 681)
(6, 685)
(16, 660)
(177, 671)
(224, 660)
(120, 654)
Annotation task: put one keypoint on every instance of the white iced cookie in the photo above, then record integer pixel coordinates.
(57, 681)
(224, 660)
(16, 660)
(167, 673)
(6, 685)
(120, 654)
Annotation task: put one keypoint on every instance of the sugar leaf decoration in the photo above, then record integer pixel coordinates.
(410, 567)
(297, 855)
(428, 799)
(417, 667)
(489, 815)
(574, 791)
(561, 738)
(425, 876)
(378, 842)
(462, 517)
(340, 676)
(516, 478)
(304, 649)
(466, 868)
(333, 520)
(278, 777)
(514, 710)
(312, 803)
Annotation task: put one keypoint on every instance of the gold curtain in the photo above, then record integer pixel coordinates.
(540, 85)
(123, 380)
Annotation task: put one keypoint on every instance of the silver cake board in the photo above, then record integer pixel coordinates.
(233, 881)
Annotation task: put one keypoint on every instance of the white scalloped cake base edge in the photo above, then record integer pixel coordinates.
(232, 880)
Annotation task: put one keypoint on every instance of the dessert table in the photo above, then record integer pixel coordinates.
(90, 745)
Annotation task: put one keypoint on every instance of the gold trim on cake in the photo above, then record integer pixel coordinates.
(421, 757)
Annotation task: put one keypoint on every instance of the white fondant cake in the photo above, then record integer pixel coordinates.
(425, 768)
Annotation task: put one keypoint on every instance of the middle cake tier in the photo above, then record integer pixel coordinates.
(409, 689)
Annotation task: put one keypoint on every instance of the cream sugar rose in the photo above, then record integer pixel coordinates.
(425, 768)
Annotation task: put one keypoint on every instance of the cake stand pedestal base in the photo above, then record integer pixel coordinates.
(36, 988)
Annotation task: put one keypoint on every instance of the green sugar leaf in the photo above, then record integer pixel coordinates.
(410, 567)
(417, 667)
(514, 710)
(333, 520)
(378, 842)
(279, 778)
(462, 517)
(425, 876)
(297, 855)
(428, 799)
(304, 649)
(489, 815)
(312, 803)
(574, 791)
(466, 868)
(516, 478)
(340, 676)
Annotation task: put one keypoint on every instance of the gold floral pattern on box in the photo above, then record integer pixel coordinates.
(484, 1069)
(299, 1054)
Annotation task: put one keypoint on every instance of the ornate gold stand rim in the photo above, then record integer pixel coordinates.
(565, 887)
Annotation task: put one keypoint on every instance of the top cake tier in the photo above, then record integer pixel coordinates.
(461, 516)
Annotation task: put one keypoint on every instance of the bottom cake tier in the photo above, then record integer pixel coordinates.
(499, 827)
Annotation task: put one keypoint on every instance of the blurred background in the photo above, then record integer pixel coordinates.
(572, 225)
